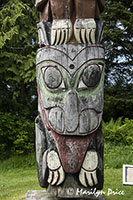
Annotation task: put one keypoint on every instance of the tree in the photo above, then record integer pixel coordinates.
(118, 41)
(18, 45)
(119, 53)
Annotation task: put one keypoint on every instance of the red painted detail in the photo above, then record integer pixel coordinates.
(43, 111)
(72, 150)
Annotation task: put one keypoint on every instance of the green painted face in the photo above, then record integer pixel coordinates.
(70, 88)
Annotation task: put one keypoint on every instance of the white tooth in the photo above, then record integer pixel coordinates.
(62, 176)
(95, 177)
(77, 34)
(82, 177)
(50, 177)
(62, 36)
(70, 31)
(55, 178)
(93, 35)
(88, 35)
(83, 35)
(90, 182)
(66, 36)
(53, 36)
(58, 36)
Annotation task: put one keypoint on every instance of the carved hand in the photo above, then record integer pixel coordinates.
(84, 30)
(61, 31)
(87, 174)
(56, 172)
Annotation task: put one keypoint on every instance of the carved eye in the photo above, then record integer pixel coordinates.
(90, 77)
(52, 77)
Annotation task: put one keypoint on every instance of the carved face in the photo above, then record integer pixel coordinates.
(70, 88)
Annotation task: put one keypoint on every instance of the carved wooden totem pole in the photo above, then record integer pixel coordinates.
(70, 80)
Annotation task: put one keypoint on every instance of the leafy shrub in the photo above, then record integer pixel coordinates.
(115, 155)
(16, 134)
(114, 107)
(118, 131)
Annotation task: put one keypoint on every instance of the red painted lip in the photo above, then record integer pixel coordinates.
(72, 150)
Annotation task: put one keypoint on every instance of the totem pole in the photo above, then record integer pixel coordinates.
(70, 79)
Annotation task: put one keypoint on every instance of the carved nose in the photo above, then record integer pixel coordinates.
(71, 111)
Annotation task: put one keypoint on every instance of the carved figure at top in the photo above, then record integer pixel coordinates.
(69, 15)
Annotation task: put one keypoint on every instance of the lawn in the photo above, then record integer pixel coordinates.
(18, 174)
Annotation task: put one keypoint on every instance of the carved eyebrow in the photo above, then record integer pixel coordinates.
(74, 73)
(86, 64)
(77, 54)
(53, 62)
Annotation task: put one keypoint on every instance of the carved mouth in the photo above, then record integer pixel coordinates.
(64, 122)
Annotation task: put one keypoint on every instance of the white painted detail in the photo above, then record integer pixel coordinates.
(89, 179)
(95, 177)
(84, 30)
(56, 172)
(53, 160)
(91, 160)
(87, 175)
(82, 85)
(50, 177)
(43, 39)
(61, 31)
(83, 35)
(62, 176)
(55, 178)
(92, 36)
(82, 177)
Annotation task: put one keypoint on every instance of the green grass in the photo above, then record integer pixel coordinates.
(113, 180)
(18, 174)
(15, 183)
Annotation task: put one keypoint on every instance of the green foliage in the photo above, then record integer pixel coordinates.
(118, 31)
(115, 155)
(118, 102)
(18, 45)
(16, 134)
(118, 17)
(118, 131)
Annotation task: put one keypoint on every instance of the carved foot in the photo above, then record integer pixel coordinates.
(61, 31)
(84, 30)
(56, 172)
(87, 175)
